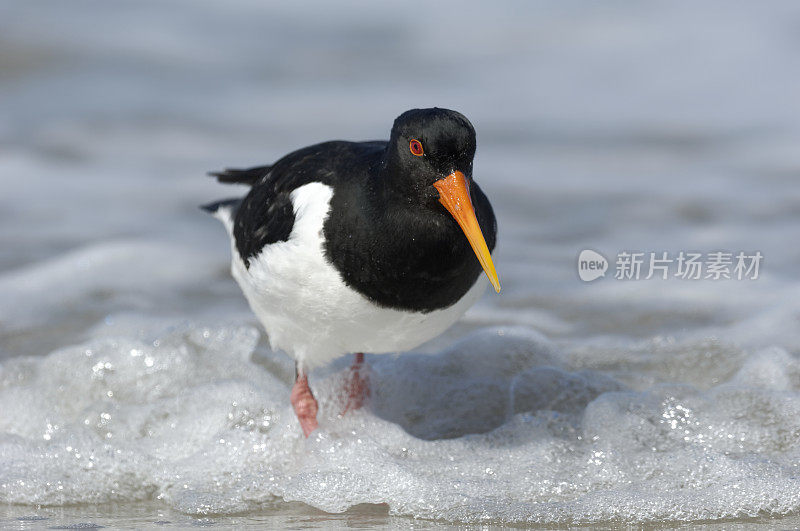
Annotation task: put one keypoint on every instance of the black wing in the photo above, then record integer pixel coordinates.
(266, 214)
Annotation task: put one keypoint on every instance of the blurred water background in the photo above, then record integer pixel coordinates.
(134, 384)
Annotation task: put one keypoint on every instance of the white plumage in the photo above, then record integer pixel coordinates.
(305, 306)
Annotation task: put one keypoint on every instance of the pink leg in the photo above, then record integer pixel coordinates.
(304, 403)
(358, 386)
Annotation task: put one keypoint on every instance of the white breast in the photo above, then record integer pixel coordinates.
(307, 309)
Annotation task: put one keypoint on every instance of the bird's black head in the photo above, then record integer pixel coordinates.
(429, 162)
(427, 145)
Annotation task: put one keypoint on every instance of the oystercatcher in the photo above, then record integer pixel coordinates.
(352, 247)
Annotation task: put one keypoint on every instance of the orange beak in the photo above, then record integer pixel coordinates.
(454, 195)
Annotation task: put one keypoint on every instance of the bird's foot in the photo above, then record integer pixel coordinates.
(357, 386)
(305, 405)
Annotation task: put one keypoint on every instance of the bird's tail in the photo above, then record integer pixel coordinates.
(250, 176)
(224, 210)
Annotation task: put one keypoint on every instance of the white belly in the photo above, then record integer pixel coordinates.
(307, 309)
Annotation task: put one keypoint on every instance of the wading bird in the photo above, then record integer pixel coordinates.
(353, 247)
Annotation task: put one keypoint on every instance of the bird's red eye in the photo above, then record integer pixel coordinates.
(416, 147)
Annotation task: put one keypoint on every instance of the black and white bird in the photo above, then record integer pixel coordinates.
(353, 247)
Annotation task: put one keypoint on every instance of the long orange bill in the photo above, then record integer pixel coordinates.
(454, 195)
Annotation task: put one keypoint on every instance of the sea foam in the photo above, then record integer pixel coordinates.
(496, 428)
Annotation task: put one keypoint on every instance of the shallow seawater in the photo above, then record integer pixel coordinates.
(136, 388)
